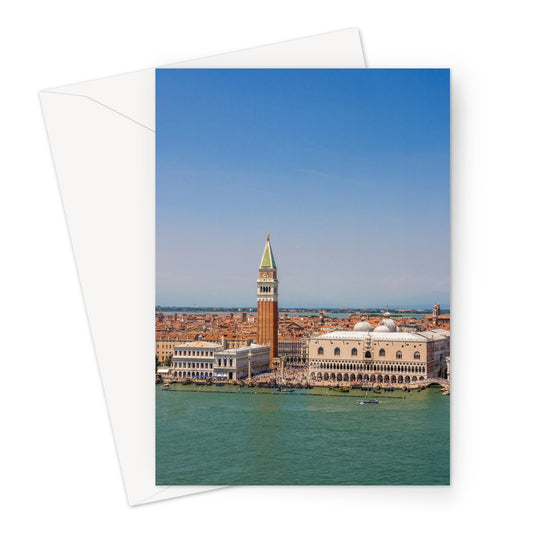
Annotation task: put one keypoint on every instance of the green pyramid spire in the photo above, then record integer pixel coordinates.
(268, 257)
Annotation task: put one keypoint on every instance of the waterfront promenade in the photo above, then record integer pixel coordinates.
(298, 378)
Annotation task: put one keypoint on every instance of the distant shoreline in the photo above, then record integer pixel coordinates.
(301, 310)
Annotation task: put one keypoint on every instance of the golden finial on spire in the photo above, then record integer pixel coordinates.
(268, 236)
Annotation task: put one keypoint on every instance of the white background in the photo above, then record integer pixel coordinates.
(59, 470)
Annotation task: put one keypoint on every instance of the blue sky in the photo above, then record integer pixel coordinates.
(347, 169)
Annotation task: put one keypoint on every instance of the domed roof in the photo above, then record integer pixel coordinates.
(362, 326)
(387, 324)
(390, 324)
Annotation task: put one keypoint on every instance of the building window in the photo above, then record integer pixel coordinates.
(382, 353)
(321, 351)
(337, 351)
(398, 354)
(354, 351)
(417, 355)
(368, 355)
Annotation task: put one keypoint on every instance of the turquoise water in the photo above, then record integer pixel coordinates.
(256, 437)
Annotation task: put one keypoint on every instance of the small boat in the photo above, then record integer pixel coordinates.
(344, 389)
(165, 386)
(362, 402)
(284, 390)
(219, 384)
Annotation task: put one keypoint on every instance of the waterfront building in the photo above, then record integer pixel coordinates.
(203, 359)
(241, 363)
(383, 354)
(267, 302)
(194, 359)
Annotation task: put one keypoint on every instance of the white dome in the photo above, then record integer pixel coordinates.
(362, 326)
(390, 324)
(387, 324)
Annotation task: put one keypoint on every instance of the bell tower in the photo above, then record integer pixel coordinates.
(267, 301)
